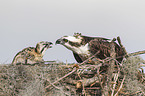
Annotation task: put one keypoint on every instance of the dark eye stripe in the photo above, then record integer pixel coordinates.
(44, 47)
(74, 44)
(45, 44)
(65, 40)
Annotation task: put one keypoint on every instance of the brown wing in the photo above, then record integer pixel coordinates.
(25, 53)
(87, 39)
(100, 45)
(104, 47)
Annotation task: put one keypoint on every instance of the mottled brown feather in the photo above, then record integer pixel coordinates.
(99, 44)
(104, 47)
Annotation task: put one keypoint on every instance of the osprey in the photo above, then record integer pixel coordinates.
(84, 47)
(31, 55)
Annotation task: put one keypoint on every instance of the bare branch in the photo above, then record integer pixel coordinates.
(62, 77)
(136, 53)
(120, 86)
(115, 82)
(87, 82)
(89, 58)
(98, 75)
(107, 86)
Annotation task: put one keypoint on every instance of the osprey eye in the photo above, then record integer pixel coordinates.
(65, 40)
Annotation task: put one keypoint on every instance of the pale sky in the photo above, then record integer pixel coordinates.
(23, 23)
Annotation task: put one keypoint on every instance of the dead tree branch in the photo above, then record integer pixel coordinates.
(87, 82)
(120, 86)
(98, 75)
(89, 58)
(136, 53)
(57, 87)
(62, 77)
(110, 70)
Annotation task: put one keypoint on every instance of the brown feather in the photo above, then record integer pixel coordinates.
(104, 47)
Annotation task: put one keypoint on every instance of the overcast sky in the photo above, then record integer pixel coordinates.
(23, 23)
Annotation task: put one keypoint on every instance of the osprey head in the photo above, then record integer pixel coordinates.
(70, 41)
(42, 46)
(75, 43)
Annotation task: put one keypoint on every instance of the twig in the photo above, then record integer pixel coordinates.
(90, 66)
(114, 85)
(142, 65)
(98, 75)
(87, 82)
(129, 94)
(62, 77)
(93, 88)
(84, 92)
(89, 58)
(136, 53)
(107, 86)
(120, 86)
(57, 88)
(128, 55)
(53, 84)
(111, 68)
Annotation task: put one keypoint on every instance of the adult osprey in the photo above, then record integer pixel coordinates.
(84, 47)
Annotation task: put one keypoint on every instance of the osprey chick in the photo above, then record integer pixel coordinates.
(84, 47)
(31, 55)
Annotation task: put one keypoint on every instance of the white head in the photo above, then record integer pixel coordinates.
(74, 43)
(70, 41)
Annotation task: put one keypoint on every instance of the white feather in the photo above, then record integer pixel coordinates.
(73, 39)
(83, 50)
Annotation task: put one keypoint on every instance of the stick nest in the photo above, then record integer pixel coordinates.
(106, 77)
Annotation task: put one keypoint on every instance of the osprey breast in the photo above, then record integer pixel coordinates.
(82, 50)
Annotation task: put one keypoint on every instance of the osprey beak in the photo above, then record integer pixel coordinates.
(59, 41)
(50, 44)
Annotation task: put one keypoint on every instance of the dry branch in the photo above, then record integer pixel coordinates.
(87, 82)
(136, 53)
(108, 84)
(115, 83)
(98, 75)
(120, 86)
(89, 58)
(62, 78)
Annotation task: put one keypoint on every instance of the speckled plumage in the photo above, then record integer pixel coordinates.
(88, 46)
(31, 55)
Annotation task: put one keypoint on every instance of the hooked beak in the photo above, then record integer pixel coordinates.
(49, 44)
(59, 41)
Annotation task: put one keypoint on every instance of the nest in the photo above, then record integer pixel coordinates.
(60, 79)
(93, 77)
